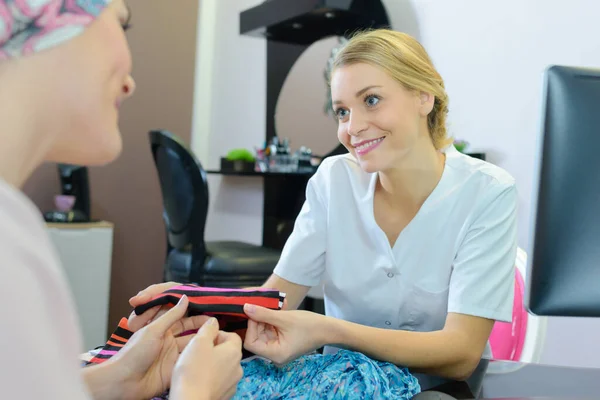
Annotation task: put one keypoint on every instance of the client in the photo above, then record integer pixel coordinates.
(64, 69)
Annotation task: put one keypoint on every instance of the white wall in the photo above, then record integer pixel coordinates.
(491, 55)
(230, 106)
(299, 115)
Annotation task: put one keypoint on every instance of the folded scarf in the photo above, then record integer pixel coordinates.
(226, 305)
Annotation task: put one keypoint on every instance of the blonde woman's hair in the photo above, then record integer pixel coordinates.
(404, 59)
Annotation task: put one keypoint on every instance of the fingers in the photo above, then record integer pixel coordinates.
(230, 344)
(147, 294)
(200, 343)
(251, 332)
(198, 322)
(137, 322)
(166, 321)
(262, 314)
(189, 324)
(253, 342)
(230, 349)
(183, 341)
(208, 331)
(257, 347)
(228, 337)
(163, 310)
(270, 333)
(209, 335)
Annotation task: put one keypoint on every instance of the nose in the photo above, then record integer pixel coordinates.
(129, 86)
(356, 124)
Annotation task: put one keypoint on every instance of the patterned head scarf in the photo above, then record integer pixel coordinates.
(29, 26)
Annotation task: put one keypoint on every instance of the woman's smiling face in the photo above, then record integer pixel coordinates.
(379, 119)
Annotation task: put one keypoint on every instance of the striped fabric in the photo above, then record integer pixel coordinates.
(213, 301)
(116, 341)
(227, 305)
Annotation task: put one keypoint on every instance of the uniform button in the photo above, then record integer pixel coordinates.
(390, 274)
(388, 323)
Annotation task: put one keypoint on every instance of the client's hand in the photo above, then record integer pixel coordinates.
(283, 336)
(137, 322)
(209, 367)
(146, 362)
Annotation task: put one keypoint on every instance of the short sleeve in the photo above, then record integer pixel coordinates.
(303, 256)
(483, 275)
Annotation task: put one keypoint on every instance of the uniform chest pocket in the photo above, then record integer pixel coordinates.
(423, 309)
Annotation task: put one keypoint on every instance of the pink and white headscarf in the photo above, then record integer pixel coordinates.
(29, 26)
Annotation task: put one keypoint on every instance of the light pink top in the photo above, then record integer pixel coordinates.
(40, 338)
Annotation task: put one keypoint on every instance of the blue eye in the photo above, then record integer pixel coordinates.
(372, 100)
(341, 113)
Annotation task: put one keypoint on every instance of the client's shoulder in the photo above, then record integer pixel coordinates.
(23, 234)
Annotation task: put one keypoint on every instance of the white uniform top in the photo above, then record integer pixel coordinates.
(40, 339)
(456, 255)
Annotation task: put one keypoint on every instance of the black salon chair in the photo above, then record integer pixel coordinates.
(185, 206)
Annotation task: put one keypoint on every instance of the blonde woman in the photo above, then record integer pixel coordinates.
(413, 241)
(64, 70)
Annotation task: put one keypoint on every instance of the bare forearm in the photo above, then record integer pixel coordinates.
(445, 354)
(294, 293)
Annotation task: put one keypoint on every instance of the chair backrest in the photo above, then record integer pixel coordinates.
(523, 338)
(184, 190)
(507, 339)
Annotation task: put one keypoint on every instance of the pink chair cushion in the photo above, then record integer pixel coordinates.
(507, 339)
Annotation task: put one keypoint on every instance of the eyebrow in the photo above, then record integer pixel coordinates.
(360, 92)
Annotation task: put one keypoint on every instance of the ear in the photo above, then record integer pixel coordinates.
(426, 103)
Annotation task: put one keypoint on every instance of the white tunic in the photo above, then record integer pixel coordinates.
(457, 254)
(40, 338)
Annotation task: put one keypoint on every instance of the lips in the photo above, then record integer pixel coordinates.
(366, 146)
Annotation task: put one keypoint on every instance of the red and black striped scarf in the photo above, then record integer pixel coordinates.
(227, 305)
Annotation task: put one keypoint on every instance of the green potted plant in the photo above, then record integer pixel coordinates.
(238, 160)
(461, 145)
